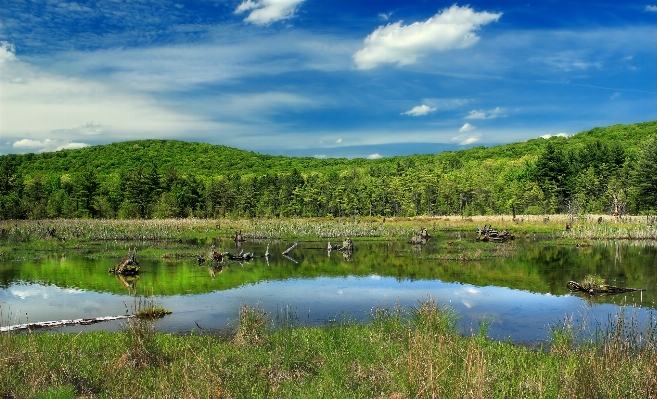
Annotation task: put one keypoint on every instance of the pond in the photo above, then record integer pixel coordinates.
(519, 288)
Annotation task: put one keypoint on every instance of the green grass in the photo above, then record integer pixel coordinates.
(399, 353)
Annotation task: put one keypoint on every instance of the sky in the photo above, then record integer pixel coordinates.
(357, 78)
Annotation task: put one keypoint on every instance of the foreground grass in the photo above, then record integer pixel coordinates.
(414, 353)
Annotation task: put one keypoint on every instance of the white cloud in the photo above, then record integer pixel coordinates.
(338, 141)
(466, 128)
(547, 136)
(374, 156)
(43, 111)
(419, 110)
(30, 145)
(320, 156)
(453, 28)
(466, 138)
(480, 114)
(651, 8)
(268, 11)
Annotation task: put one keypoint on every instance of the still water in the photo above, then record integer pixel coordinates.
(521, 294)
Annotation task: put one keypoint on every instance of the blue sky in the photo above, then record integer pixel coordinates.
(358, 78)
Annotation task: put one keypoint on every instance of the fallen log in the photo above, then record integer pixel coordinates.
(595, 289)
(62, 323)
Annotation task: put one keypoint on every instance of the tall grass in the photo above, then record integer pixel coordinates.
(399, 353)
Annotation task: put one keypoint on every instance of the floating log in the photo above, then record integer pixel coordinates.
(594, 289)
(128, 265)
(290, 249)
(62, 323)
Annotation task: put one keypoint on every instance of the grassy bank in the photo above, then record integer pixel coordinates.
(399, 353)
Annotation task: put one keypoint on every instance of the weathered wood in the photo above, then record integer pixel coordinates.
(128, 265)
(62, 323)
(287, 251)
(487, 233)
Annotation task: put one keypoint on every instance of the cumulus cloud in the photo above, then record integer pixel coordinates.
(651, 8)
(30, 145)
(453, 28)
(419, 110)
(480, 114)
(547, 136)
(466, 128)
(374, 156)
(264, 12)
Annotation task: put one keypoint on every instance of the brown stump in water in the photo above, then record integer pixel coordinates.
(128, 265)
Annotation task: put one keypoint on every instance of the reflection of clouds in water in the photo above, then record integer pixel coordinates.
(340, 292)
(35, 291)
(468, 304)
(468, 291)
(28, 292)
(375, 277)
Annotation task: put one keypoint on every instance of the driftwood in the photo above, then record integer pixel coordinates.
(487, 233)
(287, 251)
(62, 323)
(239, 237)
(128, 265)
(599, 289)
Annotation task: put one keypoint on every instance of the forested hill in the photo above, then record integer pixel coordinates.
(213, 160)
(601, 170)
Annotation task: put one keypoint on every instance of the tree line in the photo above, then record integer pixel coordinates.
(611, 170)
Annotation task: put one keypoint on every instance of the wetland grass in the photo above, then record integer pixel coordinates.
(24, 239)
(399, 353)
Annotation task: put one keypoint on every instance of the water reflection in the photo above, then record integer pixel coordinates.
(522, 294)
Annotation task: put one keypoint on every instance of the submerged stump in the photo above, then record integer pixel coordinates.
(128, 266)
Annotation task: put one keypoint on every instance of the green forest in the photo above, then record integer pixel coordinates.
(611, 170)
